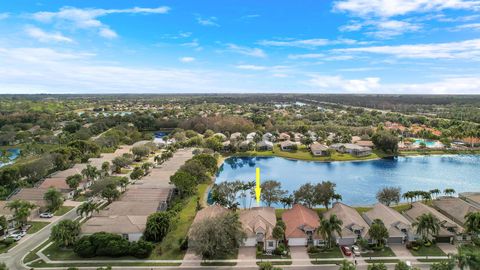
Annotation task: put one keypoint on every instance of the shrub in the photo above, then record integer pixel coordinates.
(8, 241)
(84, 248)
(141, 249)
(313, 249)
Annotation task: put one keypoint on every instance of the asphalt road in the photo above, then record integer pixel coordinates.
(13, 258)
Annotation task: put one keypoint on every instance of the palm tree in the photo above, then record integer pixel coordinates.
(287, 201)
(435, 192)
(21, 210)
(346, 265)
(328, 227)
(87, 208)
(466, 258)
(378, 232)
(472, 223)
(90, 172)
(409, 195)
(427, 226)
(449, 191)
(426, 196)
(105, 168)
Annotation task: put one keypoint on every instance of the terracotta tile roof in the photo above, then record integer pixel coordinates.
(258, 219)
(57, 183)
(33, 195)
(297, 218)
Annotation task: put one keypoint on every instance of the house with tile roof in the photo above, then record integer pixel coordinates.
(354, 226)
(399, 227)
(301, 226)
(258, 224)
(454, 208)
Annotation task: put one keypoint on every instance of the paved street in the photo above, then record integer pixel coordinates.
(14, 256)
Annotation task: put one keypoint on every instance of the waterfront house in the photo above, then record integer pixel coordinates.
(354, 226)
(226, 146)
(268, 137)
(448, 228)
(471, 197)
(301, 226)
(258, 224)
(454, 208)
(265, 146)
(297, 137)
(365, 143)
(399, 228)
(246, 145)
(287, 146)
(235, 136)
(352, 149)
(206, 213)
(251, 136)
(284, 137)
(318, 149)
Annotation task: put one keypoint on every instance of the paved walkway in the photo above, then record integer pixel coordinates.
(447, 248)
(191, 259)
(299, 256)
(247, 256)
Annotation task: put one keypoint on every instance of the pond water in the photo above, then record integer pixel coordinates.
(13, 154)
(358, 182)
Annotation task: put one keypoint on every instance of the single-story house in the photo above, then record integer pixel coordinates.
(352, 149)
(399, 227)
(268, 137)
(264, 146)
(354, 226)
(33, 195)
(365, 143)
(287, 145)
(448, 228)
(298, 136)
(246, 145)
(8, 214)
(454, 208)
(301, 226)
(235, 136)
(284, 137)
(226, 146)
(251, 136)
(258, 224)
(208, 212)
(319, 149)
(471, 197)
(130, 227)
(356, 139)
(59, 184)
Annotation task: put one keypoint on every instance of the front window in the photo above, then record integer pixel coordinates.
(270, 243)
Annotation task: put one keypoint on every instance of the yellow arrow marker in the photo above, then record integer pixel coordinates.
(258, 190)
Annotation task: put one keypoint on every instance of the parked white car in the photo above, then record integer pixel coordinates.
(17, 235)
(356, 250)
(46, 215)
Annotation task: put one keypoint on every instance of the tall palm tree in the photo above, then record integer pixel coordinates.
(409, 195)
(435, 192)
(87, 208)
(328, 227)
(427, 226)
(467, 259)
(21, 210)
(449, 191)
(90, 172)
(472, 223)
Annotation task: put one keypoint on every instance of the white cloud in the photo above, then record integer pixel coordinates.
(306, 56)
(43, 36)
(186, 59)
(88, 18)
(381, 28)
(391, 8)
(4, 15)
(468, 49)
(210, 21)
(251, 67)
(447, 85)
(473, 26)
(339, 84)
(306, 43)
(255, 52)
(193, 44)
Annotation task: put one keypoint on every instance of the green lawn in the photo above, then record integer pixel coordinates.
(331, 253)
(42, 264)
(386, 252)
(269, 257)
(304, 154)
(63, 210)
(32, 255)
(276, 262)
(218, 263)
(169, 249)
(36, 226)
(432, 250)
(326, 262)
(4, 248)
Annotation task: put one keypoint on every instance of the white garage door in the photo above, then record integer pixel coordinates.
(297, 242)
(250, 242)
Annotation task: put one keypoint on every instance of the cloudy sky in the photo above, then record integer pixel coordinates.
(211, 46)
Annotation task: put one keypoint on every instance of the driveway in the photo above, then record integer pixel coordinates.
(400, 250)
(299, 256)
(191, 259)
(447, 248)
(247, 256)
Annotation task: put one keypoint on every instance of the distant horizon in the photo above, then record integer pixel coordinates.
(333, 46)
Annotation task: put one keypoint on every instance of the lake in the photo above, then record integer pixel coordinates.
(358, 182)
(13, 154)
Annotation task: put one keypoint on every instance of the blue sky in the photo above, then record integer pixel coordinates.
(342, 46)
